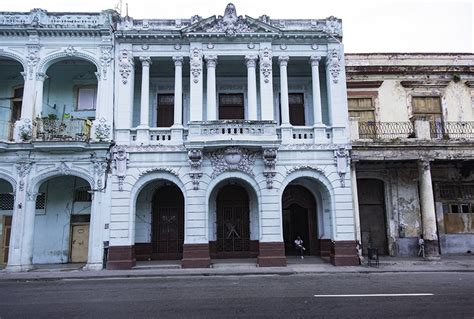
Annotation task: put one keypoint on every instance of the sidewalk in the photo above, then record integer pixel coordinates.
(239, 267)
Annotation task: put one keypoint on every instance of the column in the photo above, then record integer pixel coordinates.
(428, 215)
(355, 201)
(211, 61)
(319, 127)
(251, 61)
(195, 83)
(266, 82)
(124, 85)
(143, 129)
(40, 78)
(27, 109)
(177, 128)
(285, 107)
(336, 93)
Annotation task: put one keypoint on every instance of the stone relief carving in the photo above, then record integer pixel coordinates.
(32, 59)
(25, 129)
(195, 162)
(334, 65)
(230, 23)
(63, 169)
(99, 169)
(23, 169)
(195, 18)
(251, 61)
(266, 64)
(305, 167)
(70, 51)
(232, 159)
(125, 65)
(105, 59)
(333, 26)
(102, 129)
(269, 161)
(121, 159)
(342, 161)
(159, 169)
(196, 64)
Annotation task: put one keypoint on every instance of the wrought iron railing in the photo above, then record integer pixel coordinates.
(452, 130)
(6, 130)
(62, 130)
(386, 130)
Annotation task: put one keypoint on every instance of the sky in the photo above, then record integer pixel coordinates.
(368, 25)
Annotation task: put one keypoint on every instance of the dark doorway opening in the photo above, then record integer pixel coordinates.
(299, 219)
(233, 223)
(168, 224)
(372, 215)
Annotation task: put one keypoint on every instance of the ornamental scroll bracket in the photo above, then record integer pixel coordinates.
(269, 161)
(195, 163)
(341, 156)
(121, 159)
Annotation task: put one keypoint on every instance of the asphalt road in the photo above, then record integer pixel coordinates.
(444, 295)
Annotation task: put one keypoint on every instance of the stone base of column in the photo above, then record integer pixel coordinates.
(286, 132)
(177, 133)
(320, 133)
(271, 254)
(431, 250)
(143, 135)
(344, 253)
(18, 268)
(121, 257)
(326, 245)
(196, 256)
(93, 266)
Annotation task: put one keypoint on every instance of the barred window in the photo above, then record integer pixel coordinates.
(82, 195)
(41, 201)
(6, 201)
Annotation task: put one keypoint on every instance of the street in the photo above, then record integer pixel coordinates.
(417, 295)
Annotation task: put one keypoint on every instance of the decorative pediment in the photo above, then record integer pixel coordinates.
(230, 24)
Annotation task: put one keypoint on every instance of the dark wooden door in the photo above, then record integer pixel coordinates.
(165, 110)
(168, 223)
(233, 222)
(7, 227)
(231, 106)
(372, 215)
(299, 219)
(296, 105)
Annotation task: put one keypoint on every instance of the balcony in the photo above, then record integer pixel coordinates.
(76, 130)
(411, 131)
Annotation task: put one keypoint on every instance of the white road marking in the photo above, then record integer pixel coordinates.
(375, 295)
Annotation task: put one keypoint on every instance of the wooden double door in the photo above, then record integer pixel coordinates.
(233, 222)
(168, 224)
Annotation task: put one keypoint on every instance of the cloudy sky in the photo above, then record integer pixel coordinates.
(369, 25)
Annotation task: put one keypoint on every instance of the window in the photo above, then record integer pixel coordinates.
(362, 107)
(82, 195)
(428, 108)
(296, 105)
(165, 110)
(6, 201)
(40, 201)
(86, 98)
(231, 106)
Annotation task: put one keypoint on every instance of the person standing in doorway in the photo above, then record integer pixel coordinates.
(299, 246)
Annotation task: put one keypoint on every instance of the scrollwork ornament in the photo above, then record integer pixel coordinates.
(230, 23)
(32, 58)
(232, 159)
(266, 64)
(121, 159)
(105, 59)
(334, 65)
(102, 130)
(63, 169)
(125, 65)
(196, 64)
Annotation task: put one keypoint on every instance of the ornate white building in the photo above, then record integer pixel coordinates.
(192, 139)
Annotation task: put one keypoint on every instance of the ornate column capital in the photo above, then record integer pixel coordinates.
(314, 60)
(424, 164)
(211, 61)
(146, 61)
(41, 76)
(251, 60)
(283, 60)
(178, 60)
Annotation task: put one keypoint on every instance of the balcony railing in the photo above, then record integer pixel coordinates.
(452, 130)
(386, 130)
(303, 133)
(6, 130)
(156, 135)
(62, 130)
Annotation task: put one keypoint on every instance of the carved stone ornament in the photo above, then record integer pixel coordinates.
(333, 26)
(63, 169)
(195, 162)
(266, 64)
(303, 168)
(102, 130)
(121, 158)
(232, 159)
(125, 65)
(269, 161)
(342, 161)
(105, 59)
(334, 65)
(251, 61)
(159, 169)
(25, 129)
(99, 169)
(23, 169)
(32, 58)
(230, 23)
(70, 51)
(196, 64)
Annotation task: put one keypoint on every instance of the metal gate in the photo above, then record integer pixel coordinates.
(168, 223)
(233, 222)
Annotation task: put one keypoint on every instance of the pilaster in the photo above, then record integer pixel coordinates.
(266, 82)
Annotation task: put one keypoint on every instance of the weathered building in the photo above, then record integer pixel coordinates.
(412, 125)
(230, 138)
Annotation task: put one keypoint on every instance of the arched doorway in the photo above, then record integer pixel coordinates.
(299, 219)
(6, 211)
(232, 223)
(372, 215)
(11, 96)
(168, 223)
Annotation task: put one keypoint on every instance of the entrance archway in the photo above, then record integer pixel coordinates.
(232, 222)
(299, 219)
(372, 215)
(168, 223)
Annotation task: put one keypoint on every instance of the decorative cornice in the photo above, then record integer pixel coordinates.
(432, 84)
(363, 84)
